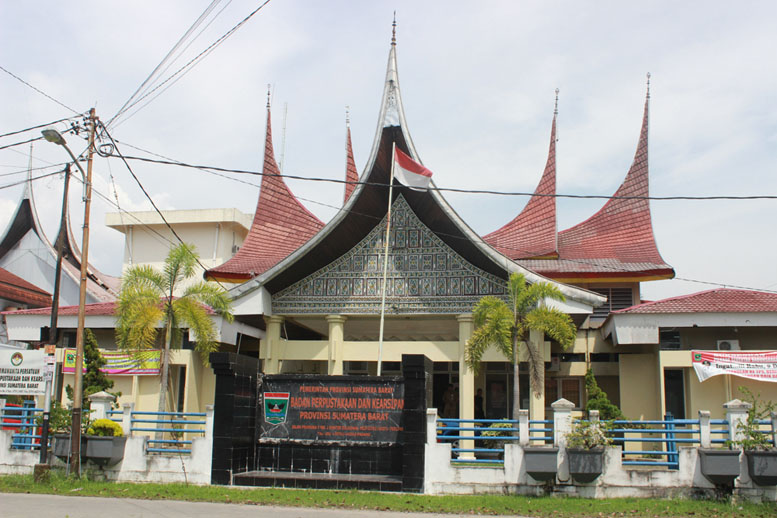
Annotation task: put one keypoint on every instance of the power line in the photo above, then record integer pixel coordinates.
(153, 75)
(21, 143)
(38, 90)
(181, 71)
(457, 190)
(214, 172)
(38, 126)
(148, 196)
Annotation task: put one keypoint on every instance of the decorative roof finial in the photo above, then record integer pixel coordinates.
(268, 96)
(394, 30)
(555, 109)
(347, 116)
(648, 85)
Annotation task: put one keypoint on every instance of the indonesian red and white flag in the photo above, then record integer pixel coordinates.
(410, 173)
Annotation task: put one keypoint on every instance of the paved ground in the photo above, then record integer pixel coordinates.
(50, 506)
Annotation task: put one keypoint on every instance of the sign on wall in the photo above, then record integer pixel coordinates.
(120, 363)
(337, 409)
(755, 365)
(22, 373)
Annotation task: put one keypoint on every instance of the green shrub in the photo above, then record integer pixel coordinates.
(105, 428)
(598, 400)
(588, 434)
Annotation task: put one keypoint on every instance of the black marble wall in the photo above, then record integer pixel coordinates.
(235, 414)
(237, 449)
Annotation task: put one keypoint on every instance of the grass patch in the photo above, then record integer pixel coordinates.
(483, 504)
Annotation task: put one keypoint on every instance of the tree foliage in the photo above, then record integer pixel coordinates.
(505, 324)
(147, 303)
(598, 400)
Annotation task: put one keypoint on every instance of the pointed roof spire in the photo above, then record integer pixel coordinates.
(351, 174)
(533, 232)
(394, 30)
(281, 224)
(621, 233)
(392, 112)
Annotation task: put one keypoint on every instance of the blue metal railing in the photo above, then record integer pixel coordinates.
(172, 424)
(22, 419)
(488, 449)
(662, 433)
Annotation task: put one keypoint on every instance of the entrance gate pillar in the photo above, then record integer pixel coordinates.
(466, 386)
(537, 402)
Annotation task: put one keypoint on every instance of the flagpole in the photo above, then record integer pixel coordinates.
(385, 261)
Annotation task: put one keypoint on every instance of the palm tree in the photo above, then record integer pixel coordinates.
(146, 303)
(505, 325)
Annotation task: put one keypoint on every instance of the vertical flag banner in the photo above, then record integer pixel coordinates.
(410, 173)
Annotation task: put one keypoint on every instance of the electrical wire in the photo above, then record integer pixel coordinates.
(37, 90)
(215, 172)
(185, 68)
(158, 70)
(22, 142)
(39, 126)
(457, 190)
(148, 196)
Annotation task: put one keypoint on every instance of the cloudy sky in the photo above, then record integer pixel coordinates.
(478, 83)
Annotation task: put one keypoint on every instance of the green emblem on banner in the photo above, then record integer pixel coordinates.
(697, 357)
(276, 404)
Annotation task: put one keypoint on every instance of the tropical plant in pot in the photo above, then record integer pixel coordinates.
(760, 452)
(105, 442)
(586, 443)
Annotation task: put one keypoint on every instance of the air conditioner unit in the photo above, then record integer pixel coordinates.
(235, 248)
(728, 345)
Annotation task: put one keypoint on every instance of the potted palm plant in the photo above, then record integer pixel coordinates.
(586, 443)
(760, 452)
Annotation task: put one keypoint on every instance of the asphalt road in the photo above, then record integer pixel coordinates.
(51, 506)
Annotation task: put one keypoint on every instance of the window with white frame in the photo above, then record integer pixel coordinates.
(570, 389)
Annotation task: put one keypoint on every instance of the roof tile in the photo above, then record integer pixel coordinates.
(722, 300)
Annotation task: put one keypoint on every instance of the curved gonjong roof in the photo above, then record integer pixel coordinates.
(367, 206)
(533, 232)
(617, 242)
(281, 224)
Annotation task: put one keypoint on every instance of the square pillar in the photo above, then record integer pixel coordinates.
(336, 338)
(271, 352)
(466, 385)
(537, 402)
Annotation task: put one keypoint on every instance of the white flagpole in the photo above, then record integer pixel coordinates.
(385, 261)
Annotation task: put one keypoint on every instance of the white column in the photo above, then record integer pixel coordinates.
(100, 403)
(537, 403)
(562, 421)
(466, 384)
(336, 338)
(705, 435)
(736, 415)
(271, 350)
(126, 418)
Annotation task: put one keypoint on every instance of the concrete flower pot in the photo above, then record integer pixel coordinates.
(105, 451)
(762, 465)
(541, 462)
(719, 466)
(60, 445)
(585, 465)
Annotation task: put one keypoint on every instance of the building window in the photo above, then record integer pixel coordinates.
(669, 339)
(617, 298)
(570, 389)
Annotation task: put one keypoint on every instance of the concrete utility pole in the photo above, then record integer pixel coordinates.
(78, 389)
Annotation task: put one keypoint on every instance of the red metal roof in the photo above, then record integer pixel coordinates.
(281, 225)
(722, 300)
(16, 289)
(533, 232)
(618, 240)
(351, 174)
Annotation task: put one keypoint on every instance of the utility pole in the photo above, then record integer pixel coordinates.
(75, 437)
(53, 337)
